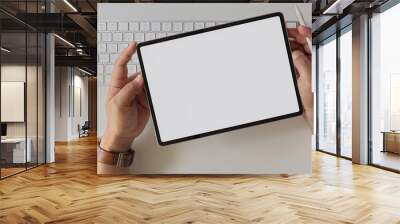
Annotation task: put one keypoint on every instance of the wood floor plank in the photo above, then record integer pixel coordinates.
(69, 191)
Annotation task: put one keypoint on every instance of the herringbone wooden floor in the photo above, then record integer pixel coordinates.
(69, 191)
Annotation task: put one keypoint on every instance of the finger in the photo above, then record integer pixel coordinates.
(120, 72)
(133, 76)
(302, 64)
(130, 91)
(112, 91)
(293, 32)
(142, 99)
(305, 31)
(300, 39)
(295, 46)
(296, 36)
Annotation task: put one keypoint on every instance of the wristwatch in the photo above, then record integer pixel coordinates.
(116, 159)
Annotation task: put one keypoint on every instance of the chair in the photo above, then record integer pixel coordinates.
(84, 130)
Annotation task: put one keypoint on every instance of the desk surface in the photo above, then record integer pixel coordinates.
(391, 132)
(13, 140)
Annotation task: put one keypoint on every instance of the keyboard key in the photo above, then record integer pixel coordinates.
(106, 37)
(104, 58)
(102, 48)
(144, 26)
(198, 26)
(121, 47)
(139, 37)
(113, 58)
(177, 27)
(117, 36)
(170, 34)
(150, 36)
(131, 69)
(161, 35)
(134, 26)
(221, 22)
(112, 48)
(112, 26)
(128, 37)
(108, 69)
(210, 24)
(123, 26)
(166, 26)
(101, 27)
(100, 79)
(155, 26)
(100, 69)
(138, 69)
(187, 26)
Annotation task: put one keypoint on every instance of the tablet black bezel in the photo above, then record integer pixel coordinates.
(217, 27)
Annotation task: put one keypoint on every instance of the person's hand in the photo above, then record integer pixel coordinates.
(301, 54)
(127, 108)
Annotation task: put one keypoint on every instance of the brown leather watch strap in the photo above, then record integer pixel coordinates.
(117, 159)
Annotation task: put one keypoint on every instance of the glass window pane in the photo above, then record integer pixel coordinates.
(385, 89)
(14, 153)
(327, 96)
(31, 98)
(346, 94)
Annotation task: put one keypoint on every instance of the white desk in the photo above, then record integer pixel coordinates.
(18, 149)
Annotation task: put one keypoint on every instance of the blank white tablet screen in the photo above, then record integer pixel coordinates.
(219, 79)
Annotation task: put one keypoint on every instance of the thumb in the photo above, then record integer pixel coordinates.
(302, 64)
(306, 31)
(128, 93)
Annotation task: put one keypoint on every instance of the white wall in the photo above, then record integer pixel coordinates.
(67, 116)
(33, 127)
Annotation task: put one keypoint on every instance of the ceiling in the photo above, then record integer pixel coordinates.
(77, 23)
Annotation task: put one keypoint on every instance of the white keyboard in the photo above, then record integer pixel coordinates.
(114, 37)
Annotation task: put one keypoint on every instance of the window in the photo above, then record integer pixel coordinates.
(385, 89)
(22, 78)
(327, 96)
(346, 92)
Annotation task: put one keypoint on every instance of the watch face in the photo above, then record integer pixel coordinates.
(124, 159)
(117, 159)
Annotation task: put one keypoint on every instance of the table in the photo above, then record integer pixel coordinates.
(13, 150)
(391, 141)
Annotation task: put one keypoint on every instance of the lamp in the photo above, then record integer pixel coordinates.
(70, 5)
(64, 40)
(5, 49)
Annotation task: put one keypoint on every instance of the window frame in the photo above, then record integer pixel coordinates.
(378, 10)
(333, 37)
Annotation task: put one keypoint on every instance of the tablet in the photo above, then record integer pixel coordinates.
(219, 79)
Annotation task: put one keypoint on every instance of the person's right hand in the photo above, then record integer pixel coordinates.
(301, 54)
(127, 108)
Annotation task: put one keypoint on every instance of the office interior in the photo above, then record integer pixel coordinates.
(48, 82)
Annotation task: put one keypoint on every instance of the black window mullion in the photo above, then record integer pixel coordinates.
(37, 89)
(317, 97)
(0, 96)
(26, 86)
(338, 93)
